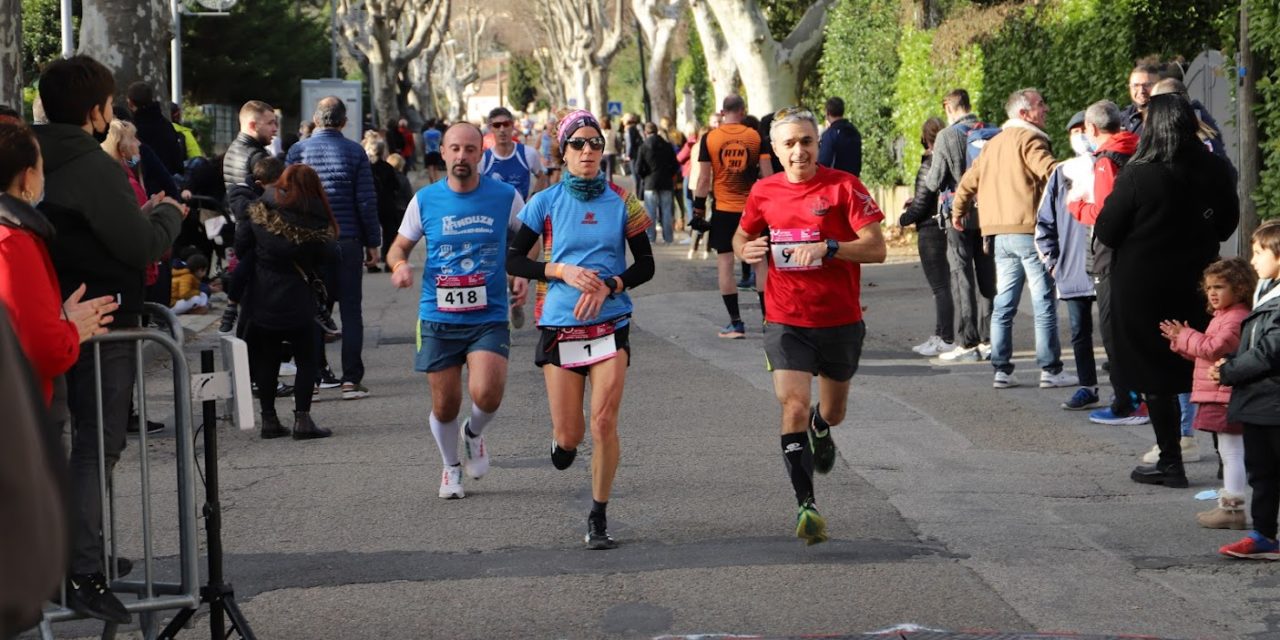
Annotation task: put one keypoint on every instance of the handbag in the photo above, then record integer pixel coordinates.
(320, 293)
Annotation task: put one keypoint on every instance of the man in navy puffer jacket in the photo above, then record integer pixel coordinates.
(345, 172)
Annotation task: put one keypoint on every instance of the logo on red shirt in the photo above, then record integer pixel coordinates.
(818, 205)
(590, 218)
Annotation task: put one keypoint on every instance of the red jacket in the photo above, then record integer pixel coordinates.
(1219, 340)
(1104, 176)
(29, 288)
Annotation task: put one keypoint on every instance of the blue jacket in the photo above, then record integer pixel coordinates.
(347, 177)
(1061, 240)
(840, 147)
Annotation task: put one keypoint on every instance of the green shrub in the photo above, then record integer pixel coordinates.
(915, 94)
(860, 64)
(1264, 37)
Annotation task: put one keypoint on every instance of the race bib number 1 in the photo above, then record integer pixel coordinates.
(582, 346)
(457, 294)
(782, 244)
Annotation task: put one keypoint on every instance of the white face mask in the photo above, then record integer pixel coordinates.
(1080, 144)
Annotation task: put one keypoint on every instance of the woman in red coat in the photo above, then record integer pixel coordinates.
(49, 329)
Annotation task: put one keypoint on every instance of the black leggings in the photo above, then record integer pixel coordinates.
(933, 259)
(265, 347)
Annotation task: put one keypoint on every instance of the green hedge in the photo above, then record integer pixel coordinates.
(860, 64)
(1264, 35)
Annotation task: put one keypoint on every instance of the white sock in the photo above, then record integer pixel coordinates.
(446, 434)
(479, 420)
(1231, 448)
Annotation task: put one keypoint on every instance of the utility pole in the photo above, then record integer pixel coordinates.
(68, 33)
(1245, 98)
(333, 38)
(175, 54)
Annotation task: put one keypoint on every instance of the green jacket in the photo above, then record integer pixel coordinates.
(103, 239)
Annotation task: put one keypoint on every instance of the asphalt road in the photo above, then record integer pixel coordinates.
(953, 506)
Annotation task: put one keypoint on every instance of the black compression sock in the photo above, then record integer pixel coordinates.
(819, 424)
(598, 508)
(731, 305)
(795, 451)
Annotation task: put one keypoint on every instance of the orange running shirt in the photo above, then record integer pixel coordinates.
(734, 153)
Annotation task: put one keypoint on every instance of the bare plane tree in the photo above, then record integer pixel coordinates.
(722, 71)
(130, 37)
(770, 69)
(388, 34)
(11, 53)
(458, 65)
(658, 22)
(585, 35)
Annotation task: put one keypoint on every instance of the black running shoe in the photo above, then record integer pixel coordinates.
(134, 427)
(326, 379)
(823, 445)
(562, 458)
(598, 537)
(88, 595)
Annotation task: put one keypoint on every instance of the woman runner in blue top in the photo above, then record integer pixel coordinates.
(582, 309)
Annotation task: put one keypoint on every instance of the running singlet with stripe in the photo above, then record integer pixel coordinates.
(465, 278)
(514, 169)
(734, 152)
(592, 235)
(832, 204)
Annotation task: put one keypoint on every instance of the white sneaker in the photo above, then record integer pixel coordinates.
(1152, 456)
(451, 483)
(1190, 450)
(475, 457)
(984, 350)
(1059, 379)
(938, 347)
(926, 344)
(961, 354)
(288, 369)
(1004, 380)
(690, 254)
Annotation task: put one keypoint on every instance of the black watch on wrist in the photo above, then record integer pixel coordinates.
(611, 284)
(832, 248)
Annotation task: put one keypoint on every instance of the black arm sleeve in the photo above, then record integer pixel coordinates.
(642, 267)
(519, 263)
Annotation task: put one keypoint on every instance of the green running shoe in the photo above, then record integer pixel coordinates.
(810, 526)
(822, 445)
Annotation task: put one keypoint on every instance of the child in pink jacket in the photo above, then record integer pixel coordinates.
(1228, 285)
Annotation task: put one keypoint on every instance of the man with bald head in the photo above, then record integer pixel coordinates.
(347, 177)
(462, 314)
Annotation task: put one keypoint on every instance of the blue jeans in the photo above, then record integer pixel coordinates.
(1080, 312)
(1016, 264)
(1188, 413)
(661, 208)
(350, 299)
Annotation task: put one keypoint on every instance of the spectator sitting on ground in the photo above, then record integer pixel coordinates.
(188, 295)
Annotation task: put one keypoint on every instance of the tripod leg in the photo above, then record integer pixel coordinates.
(237, 619)
(176, 624)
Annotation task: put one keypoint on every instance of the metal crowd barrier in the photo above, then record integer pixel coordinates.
(153, 595)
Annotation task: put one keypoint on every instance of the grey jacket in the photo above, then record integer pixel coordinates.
(949, 155)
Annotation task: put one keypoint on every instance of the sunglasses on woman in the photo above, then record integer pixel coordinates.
(597, 143)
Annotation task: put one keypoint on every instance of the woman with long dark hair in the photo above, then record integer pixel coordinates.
(931, 236)
(287, 234)
(1171, 207)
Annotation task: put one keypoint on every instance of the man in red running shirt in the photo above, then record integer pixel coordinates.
(823, 224)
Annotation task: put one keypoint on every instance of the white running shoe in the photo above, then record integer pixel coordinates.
(1004, 380)
(927, 344)
(475, 457)
(451, 483)
(938, 346)
(1059, 379)
(689, 256)
(961, 354)
(984, 350)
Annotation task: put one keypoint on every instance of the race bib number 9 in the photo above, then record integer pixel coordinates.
(457, 294)
(782, 245)
(582, 346)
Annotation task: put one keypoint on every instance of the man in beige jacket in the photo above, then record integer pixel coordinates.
(1003, 189)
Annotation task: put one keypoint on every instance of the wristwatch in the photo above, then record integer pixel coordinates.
(611, 284)
(832, 248)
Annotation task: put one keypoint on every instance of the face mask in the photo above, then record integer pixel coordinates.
(1081, 145)
(133, 162)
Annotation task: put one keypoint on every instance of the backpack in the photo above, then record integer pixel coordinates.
(976, 137)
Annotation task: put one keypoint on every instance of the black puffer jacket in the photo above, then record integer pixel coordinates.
(283, 244)
(237, 164)
(1253, 372)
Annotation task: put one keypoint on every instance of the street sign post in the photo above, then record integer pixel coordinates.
(614, 109)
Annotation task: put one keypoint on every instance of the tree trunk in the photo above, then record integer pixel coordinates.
(11, 53)
(422, 93)
(598, 91)
(722, 71)
(769, 68)
(130, 37)
(658, 22)
(382, 88)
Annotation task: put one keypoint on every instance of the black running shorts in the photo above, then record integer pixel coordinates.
(548, 352)
(723, 225)
(832, 352)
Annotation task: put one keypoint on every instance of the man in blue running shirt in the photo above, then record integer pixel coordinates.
(515, 164)
(462, 315)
